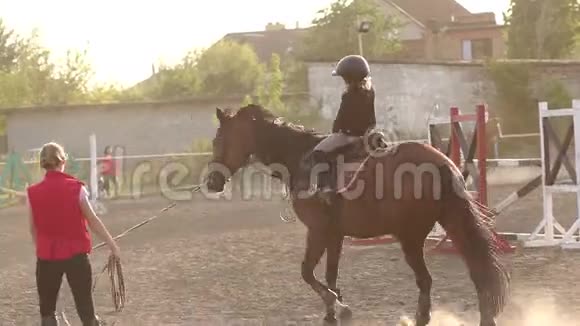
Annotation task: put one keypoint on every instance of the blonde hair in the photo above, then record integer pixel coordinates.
(364, 84)
(51, 156)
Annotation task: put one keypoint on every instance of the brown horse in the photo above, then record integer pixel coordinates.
(391, 201)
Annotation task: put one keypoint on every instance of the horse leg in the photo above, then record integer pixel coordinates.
(413, 250)
(333, 251)
(316, 242)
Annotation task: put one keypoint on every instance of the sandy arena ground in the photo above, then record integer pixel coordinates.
(237, 263)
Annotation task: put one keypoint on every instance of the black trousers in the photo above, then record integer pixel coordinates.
(79, 276)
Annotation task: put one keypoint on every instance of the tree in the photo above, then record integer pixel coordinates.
(295, 75)
(275, 86)
(68, 82)
(542, 29)
(28, 76)
(9, 43)
(109, 93)
(75, 74)
(225, 69)
(181, 80)
(335, 32)
(228, 68)
(28, 80)
(270, 90)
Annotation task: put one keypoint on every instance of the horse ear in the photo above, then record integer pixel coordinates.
(220, 114)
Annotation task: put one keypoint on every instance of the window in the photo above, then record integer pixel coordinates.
(477, 49)
(466, 50)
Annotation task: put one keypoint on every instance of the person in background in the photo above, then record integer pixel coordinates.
(60, 215)
(108, 171)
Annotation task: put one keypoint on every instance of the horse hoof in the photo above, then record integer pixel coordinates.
(488, 323)
(330, 321)
(345, 313)
(422, 319)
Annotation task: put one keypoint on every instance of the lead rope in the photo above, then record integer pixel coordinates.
(114, 266)
(115, 271)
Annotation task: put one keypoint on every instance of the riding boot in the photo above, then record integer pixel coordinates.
(324, 177)
(49, 321)
(327, 184)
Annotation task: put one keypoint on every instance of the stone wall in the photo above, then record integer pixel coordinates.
(407, 94)
(140, 128)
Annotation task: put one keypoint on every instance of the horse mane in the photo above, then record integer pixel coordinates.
(258, 112)
(279, 138)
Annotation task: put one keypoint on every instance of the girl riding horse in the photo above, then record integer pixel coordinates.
(355, 117)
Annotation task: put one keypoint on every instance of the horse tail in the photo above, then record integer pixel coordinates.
(467, 225)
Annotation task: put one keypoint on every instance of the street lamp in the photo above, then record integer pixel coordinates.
(363, 28)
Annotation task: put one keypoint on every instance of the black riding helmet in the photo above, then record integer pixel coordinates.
(352, 68)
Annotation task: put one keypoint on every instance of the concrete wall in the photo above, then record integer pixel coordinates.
(406, 93)
(141, 128)
(412, 90)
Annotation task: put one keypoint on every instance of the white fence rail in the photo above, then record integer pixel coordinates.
(132, 157)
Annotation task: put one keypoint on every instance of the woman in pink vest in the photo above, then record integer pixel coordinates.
(108, 170)
(60, 213)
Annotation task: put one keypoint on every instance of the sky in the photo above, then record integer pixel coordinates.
(124, 38)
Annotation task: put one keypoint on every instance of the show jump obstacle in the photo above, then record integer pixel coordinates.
(549, 232)
(458, 147)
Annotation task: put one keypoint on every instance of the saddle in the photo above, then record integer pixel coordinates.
(357, 152)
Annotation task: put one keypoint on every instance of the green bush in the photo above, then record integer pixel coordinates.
(556, 94)
(517, 108)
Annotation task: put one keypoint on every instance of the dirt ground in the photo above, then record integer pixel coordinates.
(238, 263)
